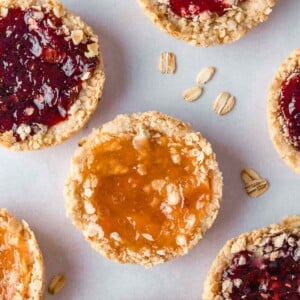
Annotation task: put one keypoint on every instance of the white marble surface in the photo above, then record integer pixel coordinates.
(31, 184)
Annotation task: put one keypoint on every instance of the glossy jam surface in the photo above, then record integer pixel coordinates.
(273, 276)
(14, 256)
(191, 8)
(41, 69)
(146, 197)
(290, 108)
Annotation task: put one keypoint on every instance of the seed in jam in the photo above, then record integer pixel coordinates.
(290, 108)
(41, 69)
(273, 275)
(146, 193)
(192, 8)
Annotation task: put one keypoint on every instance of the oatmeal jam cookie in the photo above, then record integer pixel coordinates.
(262, 264)
(207, 22)
(284, 111)
(51, 73)
(22, 268)
(144, 188)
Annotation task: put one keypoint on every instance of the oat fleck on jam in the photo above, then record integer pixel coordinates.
(290, 108)
(41, 69)
(274, 275)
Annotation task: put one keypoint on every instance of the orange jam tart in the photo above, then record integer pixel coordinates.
(144, 188)
(21, 272)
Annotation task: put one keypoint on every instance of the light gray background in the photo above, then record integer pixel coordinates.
(31, 184)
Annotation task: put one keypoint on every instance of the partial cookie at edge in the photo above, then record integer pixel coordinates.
(230, 27)
(37, 283)
(212, 286)
(286, 151)
(88, 98)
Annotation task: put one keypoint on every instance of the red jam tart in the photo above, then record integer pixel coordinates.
(44, 66)
(290, 108)
(284, 111)
(191, 8)
(263, 264)
(275, 275)
(207, 23)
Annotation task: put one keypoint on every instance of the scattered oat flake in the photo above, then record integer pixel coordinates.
(255, 185)
(192, 94)
(256, 188)
(57, 284)
(205, 75)
(167, 63)
(249, 174)
(224, 103)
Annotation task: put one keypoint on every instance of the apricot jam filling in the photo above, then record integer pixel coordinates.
(147, 192)
(41, 69)
(290, 109)
(192, 8)
(14, 265)
(272, 275)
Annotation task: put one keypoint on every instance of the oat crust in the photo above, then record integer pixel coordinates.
(213, 283)
(88, 98)
(289, 154)
(125, 125)
(209, 31)
(37, 283)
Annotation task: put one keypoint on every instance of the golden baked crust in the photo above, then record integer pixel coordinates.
(248, 241)
(209, 30)
(129, 126)
(13, 226)
(289, 154)
(88, 99)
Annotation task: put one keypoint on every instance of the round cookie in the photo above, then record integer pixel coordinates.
(262, 264)
(207, 23)
(284, 111)
(51, 75)
(143, 188)
(22, 268)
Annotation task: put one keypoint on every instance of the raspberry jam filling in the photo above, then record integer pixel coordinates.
(274, 275)
(192, 8)
(290, 109)
(41, 69)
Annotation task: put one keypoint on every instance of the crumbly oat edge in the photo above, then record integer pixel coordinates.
(121, 125)
(230, 27)
(213, 283)
(37, 283)
(88, 99)
(285, 150)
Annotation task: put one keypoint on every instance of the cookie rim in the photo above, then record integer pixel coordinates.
(37, 283)
(239, 14)
(89, 97)
(287, 152)
(212, 285)
(117, 126)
